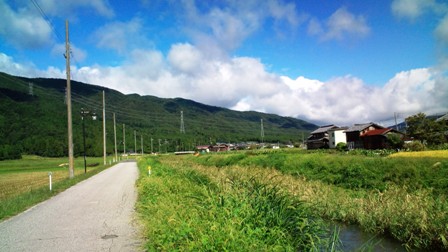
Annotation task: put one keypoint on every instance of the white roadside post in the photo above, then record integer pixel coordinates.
(49, 176)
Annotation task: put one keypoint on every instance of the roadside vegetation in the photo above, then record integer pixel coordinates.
(25, 182)
(400, 196)
(183, 208)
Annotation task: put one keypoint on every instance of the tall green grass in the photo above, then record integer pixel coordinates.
(403, 197)
(347, 171)
(183, 209)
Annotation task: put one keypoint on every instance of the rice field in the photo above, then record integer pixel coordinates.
(25, 182)
(422, 154)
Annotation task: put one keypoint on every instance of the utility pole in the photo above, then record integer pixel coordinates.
(124, 140)
(69, 104)
(396, 125)
(115, 140)
(262, 132)
(152, 149)
(135, 142)
(182, 126)
(141, 142)
(104, 129)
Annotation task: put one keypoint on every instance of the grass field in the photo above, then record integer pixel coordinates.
(25, 182)
(405, 197)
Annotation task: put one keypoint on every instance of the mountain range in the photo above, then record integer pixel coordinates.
(33, 120)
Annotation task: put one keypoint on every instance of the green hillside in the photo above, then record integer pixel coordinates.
(33, 120)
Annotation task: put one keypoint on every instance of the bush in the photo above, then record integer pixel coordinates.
(395, 141)
(10, 152)
(341, 146)
(414, 146)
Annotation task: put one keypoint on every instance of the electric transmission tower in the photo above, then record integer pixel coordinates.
(30, 92)
(182, 126)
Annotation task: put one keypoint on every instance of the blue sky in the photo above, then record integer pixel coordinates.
(337, 62)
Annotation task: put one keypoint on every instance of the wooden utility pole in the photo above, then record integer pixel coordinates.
(115, 140)
(104, 129)
(152, 149)
(69, 104)
(135, 142)
(396, 125)
(141, 143)
(124, 140)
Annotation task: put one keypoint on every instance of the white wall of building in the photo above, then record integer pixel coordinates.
(335, 137)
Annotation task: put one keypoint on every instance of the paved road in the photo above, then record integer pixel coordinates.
(94, 215)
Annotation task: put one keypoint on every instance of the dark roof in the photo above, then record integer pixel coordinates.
(203, 147)
(360, 127)
(323, 139)
(323, 129)
(338, 128)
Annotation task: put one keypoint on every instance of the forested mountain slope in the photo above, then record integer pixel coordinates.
(33, 120)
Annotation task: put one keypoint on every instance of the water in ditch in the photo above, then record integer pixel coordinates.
(355, 239)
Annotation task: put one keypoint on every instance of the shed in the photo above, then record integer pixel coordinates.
(377, 139)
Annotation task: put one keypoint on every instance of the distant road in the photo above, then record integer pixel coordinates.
(94, 215)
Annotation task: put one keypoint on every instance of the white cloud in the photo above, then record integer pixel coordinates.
(10, 66)
(340, 25)
(243, 83)
(282, 11)
(412, 9)
(55, 8)
(441, 30)
(120, 36)
(185, 59)
(219, 29)
(23, 29)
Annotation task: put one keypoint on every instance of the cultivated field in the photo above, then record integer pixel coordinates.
(189, 199)
(25, 182)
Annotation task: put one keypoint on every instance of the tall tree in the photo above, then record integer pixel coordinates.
(427, 130)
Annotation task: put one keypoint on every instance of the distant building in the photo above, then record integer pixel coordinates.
(336, 135)
(319, 138)
(354, 133)
(220, 147)
(204, 148)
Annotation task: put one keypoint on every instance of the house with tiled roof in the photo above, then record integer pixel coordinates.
(377, 138)
(319, 138)
(354, 133)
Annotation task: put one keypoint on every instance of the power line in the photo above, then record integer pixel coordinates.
(262, 131)
(136, 114)
(47, 19)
